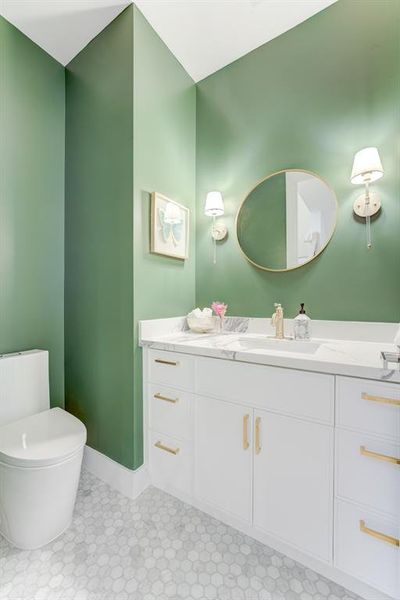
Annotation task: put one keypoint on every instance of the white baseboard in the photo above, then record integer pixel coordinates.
(127, 482)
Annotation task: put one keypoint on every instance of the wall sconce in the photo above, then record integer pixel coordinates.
(367, 167)
(214, 207)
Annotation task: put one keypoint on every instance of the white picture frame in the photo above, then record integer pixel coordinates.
(169, 234)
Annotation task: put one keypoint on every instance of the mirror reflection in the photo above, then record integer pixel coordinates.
(286, 220)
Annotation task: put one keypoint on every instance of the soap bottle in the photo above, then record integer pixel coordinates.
(302, 325)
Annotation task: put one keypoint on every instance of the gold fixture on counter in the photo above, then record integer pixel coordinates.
(159, 396)
(378, 456)
(378, 535)
(277, 321)
(380, 399)
(166, 448)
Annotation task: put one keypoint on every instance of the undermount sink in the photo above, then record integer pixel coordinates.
(297, 346)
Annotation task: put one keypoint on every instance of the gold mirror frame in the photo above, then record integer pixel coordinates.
(253, 188)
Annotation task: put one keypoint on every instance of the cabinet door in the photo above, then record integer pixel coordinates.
(293, 482)
(223, 456)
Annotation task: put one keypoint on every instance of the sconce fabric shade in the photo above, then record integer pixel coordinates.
(367, 166)
(214, 204)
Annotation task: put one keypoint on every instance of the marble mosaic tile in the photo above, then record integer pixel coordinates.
(155, 547)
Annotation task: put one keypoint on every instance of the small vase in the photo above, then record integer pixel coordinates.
(220, 324)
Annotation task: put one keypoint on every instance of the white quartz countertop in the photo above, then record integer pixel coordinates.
(356, 358)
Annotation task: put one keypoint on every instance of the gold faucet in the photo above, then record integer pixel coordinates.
(277, 321)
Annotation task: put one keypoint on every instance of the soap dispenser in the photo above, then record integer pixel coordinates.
(302, 325)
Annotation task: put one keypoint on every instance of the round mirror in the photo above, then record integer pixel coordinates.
(286, 220)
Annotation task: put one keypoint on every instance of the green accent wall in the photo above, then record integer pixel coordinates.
(308, 99)
(130, 131)
(99, 240)
(32, 126)
(164, 161)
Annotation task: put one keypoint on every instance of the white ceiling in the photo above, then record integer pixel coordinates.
(61, 27)
(204, 35)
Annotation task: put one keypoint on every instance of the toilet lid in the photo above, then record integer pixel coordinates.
(45, 438)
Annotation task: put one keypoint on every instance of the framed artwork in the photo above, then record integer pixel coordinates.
(169, 227)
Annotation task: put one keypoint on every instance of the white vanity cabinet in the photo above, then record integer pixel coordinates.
(223, 461)
(169, 379)
(367, 482)
(284, 463)
(293, 480)
(271, 469)
(306, 461)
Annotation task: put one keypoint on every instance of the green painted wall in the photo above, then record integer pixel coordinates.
(32, 128)
(164, 152)
(99, 241)
(308, 99)
(130, 131)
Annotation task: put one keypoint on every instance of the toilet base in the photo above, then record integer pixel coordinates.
(37, 547)
(37, 503)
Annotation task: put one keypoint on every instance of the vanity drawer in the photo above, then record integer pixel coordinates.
(170, 410)
(171, 463)
(366, 547)
(171, 369)
(368, 471)
(368, 406)
(288, 391)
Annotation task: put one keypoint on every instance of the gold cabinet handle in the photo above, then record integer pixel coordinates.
(380, 399)
(246, 432)
(171, 363)
(378, 535)
(166, 448)
(378, 456)
(257, 442)
(159, 396)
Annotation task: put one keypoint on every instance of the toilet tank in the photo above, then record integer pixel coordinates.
(24, 385)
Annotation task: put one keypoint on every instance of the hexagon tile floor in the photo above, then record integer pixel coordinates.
(153, 548)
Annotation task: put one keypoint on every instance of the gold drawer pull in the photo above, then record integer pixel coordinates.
(246, 432)
(379, 536)
(378, 456)
(159, 396)
(166, 448)
(171, 363)
(257, 444)
(380, 399)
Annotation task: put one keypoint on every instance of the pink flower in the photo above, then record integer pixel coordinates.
(219, 308)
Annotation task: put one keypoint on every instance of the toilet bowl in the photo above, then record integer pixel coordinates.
(40, 458)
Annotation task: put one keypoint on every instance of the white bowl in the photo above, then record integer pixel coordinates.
(202, 324)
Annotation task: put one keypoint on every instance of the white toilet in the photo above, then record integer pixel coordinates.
(41, 453)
